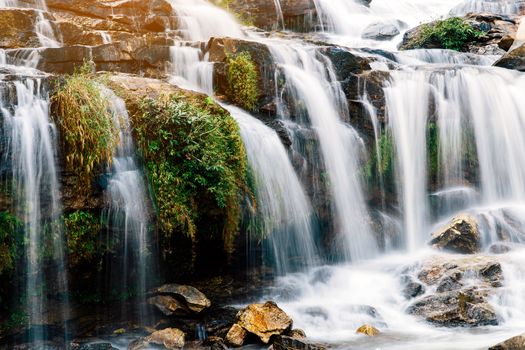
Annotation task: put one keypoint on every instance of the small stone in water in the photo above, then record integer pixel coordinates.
(368, 330)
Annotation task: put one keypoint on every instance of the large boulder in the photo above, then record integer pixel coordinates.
(187, 296)
(264, 320)
(458, 290)
(514, 343)
(498, 33)
(514, 59)
(170, 338)
(460, 235)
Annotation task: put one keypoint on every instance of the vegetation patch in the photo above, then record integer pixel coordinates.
(82, 231)
(82, 115)
(452, 33)
(242, 80)
(11, 241)
(195, 160)
(381, 162)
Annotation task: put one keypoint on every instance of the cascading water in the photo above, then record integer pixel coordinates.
(313, 82)
(284, 214)
(128, 212)
(348, 19)
(31, 153)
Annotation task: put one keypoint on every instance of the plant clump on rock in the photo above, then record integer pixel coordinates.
(242, 80)
(85, 122)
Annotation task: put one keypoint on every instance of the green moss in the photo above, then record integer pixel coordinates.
(242, 80)
(88, 133)
(195, 160)
(11, 241)
(433, 152)
(452, 33)
(381, 162)
(82, 230)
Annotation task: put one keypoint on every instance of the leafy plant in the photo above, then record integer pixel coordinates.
(195, 160)
(82, 229)
(81, 112)
(452, 33)
(242, 80)
(11, 241)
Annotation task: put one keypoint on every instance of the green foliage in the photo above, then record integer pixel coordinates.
(82, 229)
(381, 163)
(194, 154)
(452, 33)
(11, 241)
(16, 321)
(242, 80)
(433, 151)
(86, 126)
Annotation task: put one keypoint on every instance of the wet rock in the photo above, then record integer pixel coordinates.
(194, 299)
(283, 342)
(236, 335)
(93, 346)
(461, 235)
(465, 308)
(171, 338)
(380, 31)
(514, 343)
(500, 248)
(297, 333)
(368, 330)
(264, 320)
(17, 28)
(497, 30)
(168, 305)
(413, 290)
(515, 59)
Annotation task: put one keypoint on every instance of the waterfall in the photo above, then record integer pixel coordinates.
(279, 13)
(284, 215)
(503, 7)
(31, 140)
(312, 80)
(199, 20)
(128, 211)
(189, 71)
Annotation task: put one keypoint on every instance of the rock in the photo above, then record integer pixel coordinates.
(500, 248)
(514, 343)
(264, 320)
(514, 59)
(413, 290)
(168, 305)
(498, 30)
(461, 235)
(465, 308)
(17, 28)
(94, 346)
(171, 338)
(368, 330)
(236, 335)
(380, 31)
(297, 333)
(194, 299)
(283, 342)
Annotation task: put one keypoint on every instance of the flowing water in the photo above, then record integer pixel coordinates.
(31, 151)
(127, 214)
(441, 109)
(283, 211)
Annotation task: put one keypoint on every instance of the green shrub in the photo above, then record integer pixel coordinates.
(88, 133)
(11, 241)
(452, 33)
(82, 229)
(242, 80)
(194, 155)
